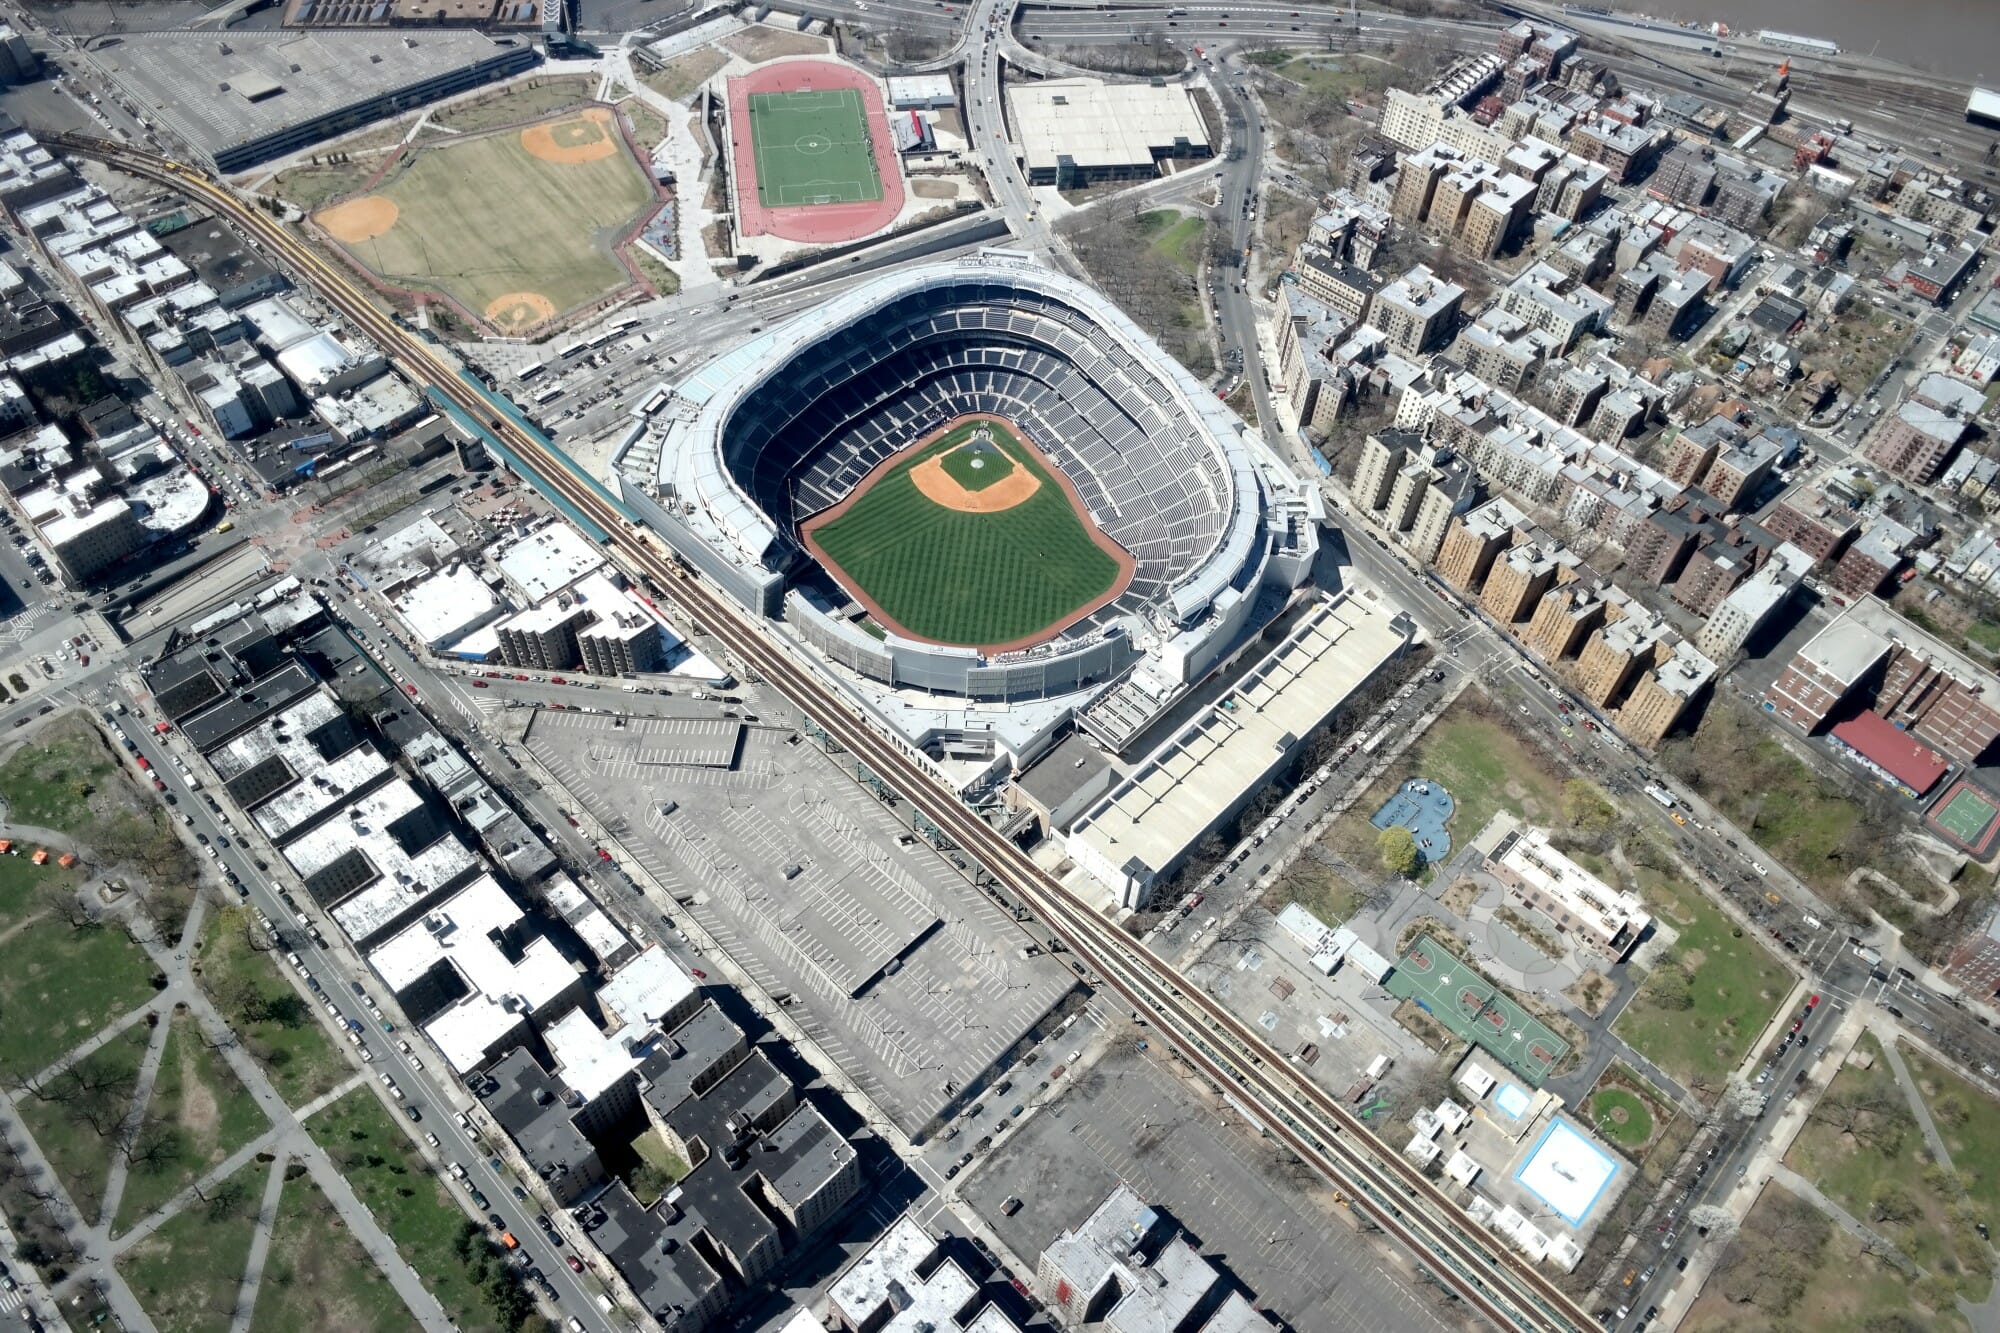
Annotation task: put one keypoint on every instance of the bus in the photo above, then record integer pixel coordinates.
(623, 326)
(568, 350)
(531, 370)
(549, 395)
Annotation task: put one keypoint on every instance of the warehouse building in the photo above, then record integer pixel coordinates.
(1077, 132)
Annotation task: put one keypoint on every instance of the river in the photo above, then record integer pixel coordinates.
(1959, 39)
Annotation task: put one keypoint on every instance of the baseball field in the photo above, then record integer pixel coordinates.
(517, 226)
(969, 538)
(812, 148)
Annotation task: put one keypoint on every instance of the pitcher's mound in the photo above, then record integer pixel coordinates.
(358, 220)
(517, 311)
(583, 138)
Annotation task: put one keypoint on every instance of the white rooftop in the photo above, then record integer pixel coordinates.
(447, 606)
(464, 931)
(1101, 125)
(401, 877)
(308, 781)
(883, 1292)
(546, 561)
(1567, 1172)
(1606, 913)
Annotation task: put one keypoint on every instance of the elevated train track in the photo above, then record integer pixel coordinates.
(1502, 1286)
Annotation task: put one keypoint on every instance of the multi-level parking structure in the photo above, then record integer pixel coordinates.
(1501, 1285)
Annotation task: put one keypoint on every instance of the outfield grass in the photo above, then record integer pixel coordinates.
(481, 219)
(1850, 1168)
(76, 1125)
(59, 984)
(812, 147)
(281, 1032)
(316, 1274)
(390, 1176)
(1734, 985)
(188, 1275)
(203, 1115)
(964, 578)
(516, 103)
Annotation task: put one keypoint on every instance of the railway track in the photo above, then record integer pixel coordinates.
(1497, 1283)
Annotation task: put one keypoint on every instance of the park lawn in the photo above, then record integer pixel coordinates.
(480, 219)
(518, 103)
(204, 1113)
(1849, 1290)
(78, 1137)
(1485, 767)
(682, 77)
(72, 980)
(409, 1202)
(1621, 1117)
(188, 1275)
(1329, 76)
(1734, 984)
(1849, 1168)
(24, 886)
(316, 1274)
(284, 1036)
(1176, 237)
(1969, 1123)
(1777, 800)
(48, 781)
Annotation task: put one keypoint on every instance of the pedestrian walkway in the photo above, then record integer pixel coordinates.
(1870, 1239)
(1885, 1035)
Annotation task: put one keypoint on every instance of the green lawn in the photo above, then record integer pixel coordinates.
(76, 1122)
(950, 576)
(201, 1114)
(1176, 237)
(1834, 1287)
(188, 1275)
(412, 1205)
(1984, 633)
(1969, 1123)
(48, 783)
(658, 1167)
(1330, 76)
(1619, 1115)
(59, 984)
(318, 1276)
(25, 887)
(277, 1027)
(1863, 1148)
(1734, 984)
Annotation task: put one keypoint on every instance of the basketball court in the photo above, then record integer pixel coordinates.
(1476, 1010)
(1967, 817)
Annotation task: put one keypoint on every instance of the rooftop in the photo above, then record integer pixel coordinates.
(297, 765)
(546, 561)
(1094, 124)
(884, 1292)
(1893, 750)
(383, 855)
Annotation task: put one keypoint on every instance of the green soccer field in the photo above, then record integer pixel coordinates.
(812, 148)
(1966, 815)
(965, 578)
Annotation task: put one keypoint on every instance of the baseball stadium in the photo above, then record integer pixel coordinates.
(979, 479)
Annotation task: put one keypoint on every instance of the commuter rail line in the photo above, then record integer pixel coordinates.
(1378, 1183)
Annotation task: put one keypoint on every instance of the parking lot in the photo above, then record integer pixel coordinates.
(1128, 1118)
(902, 972)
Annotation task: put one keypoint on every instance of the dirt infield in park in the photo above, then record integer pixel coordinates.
(582, 138)
(359, 220)
(812, 224)
(519, 311)
(941, 488)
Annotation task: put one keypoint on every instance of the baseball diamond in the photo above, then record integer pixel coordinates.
(969, 538)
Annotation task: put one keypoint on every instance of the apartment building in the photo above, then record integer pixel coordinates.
(1472, 543)
(1417, 311)
(1915, 442)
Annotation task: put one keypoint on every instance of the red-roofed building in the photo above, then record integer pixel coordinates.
(1892, 752)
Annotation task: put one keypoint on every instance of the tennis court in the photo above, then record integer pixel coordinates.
(812, 147)
(1475, 1010)
(1967, 816)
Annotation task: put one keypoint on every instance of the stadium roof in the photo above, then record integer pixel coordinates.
(1984, 104)
(1893, 750)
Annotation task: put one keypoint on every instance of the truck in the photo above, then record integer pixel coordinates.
(1666, 801)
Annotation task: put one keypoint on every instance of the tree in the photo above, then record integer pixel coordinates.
(1668, 986)
(1891, 1201)
(1585, 809)
(1398, 849)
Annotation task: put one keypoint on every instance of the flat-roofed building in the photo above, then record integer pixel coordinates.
(383, 856)
(1474, 541)
(1149, 822)
(1606, 920)
(1416, 311)
(908, 1282)
(1076, 132)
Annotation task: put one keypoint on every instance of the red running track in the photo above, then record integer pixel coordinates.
(813, 224)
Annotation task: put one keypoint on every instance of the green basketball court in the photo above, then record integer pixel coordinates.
(1476, 1010)
(812, 148)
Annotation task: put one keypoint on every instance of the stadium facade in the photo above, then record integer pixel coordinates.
(784, 425)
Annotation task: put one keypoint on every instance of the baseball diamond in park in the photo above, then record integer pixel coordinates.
(812, 147)
(969, 538)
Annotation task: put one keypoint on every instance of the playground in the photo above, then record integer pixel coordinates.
(1454, 993)
(1424, 808)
